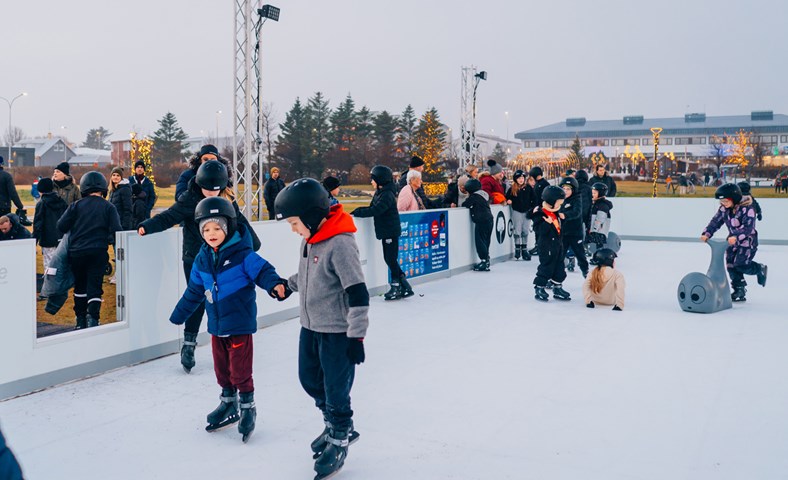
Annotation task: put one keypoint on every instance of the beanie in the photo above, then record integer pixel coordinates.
(139, 163)
(208, 149)
(221, 221)
(330, 183)
(63, 167)
(494, 167)
(415, 162)
(118, 170)
(46, 185)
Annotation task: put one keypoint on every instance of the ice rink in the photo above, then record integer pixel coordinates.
(474, 380)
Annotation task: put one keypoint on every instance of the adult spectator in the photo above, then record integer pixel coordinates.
(331, 184)
(8, 192)
(64, 184)
(48, 211)
(140, 179)
(273, 186)
(540, 182)
(683, 183)
(452, 194)
(601, 175)
(417, 164)
(408, 199)
(120, 196)
(207, 152)
(11, 229)
(491, 183)
(471, 171)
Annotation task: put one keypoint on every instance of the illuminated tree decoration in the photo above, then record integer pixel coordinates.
(141, 150)
(740, 148)
(429, 143)
(655, 131)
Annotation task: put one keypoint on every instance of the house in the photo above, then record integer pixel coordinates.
(49, 150)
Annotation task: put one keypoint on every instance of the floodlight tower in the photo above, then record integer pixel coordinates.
(470, 81)
(248, 156)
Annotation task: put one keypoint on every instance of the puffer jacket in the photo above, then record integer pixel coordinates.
(600, 216)
(48, 211)
(121, 198)
(383, 209)
(67, 190)
(478, 203)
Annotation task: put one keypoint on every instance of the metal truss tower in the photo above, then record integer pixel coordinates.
(467, 118)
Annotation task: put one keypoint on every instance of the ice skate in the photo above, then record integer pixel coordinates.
(248, 415)
(559, 293)
(517, 250)
(319, 443)
(226, 413)
(187, 351)
(540, 294)
(483, 266)
(332, 459)
(81, 322)
(762, 275)
(739, 293)
(404, 287)
(394, 293)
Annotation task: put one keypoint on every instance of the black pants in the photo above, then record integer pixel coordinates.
(390, 252)
(326, 374)
(576, 245)
(88, 268)
(551, 263)
(738, 272)
(195, 319)
(482, 235)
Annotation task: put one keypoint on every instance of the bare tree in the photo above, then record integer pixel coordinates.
(13, 135)
(718, 149)
(270, 128)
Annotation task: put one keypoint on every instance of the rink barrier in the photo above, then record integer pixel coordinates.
(150, 282)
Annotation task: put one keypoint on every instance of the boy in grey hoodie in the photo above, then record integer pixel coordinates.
(334, 304)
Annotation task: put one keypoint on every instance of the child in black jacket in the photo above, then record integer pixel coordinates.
(522, 198)
(572, 224)
(547, 225)
(92, 222)
(48, 211)
(383, 209)
(478, 203)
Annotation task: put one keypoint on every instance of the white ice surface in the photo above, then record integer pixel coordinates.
(474, 380)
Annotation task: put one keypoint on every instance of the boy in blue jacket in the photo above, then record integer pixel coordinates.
(225, 273)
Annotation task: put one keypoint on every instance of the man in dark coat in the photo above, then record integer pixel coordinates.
(11, 229)
(584, 191)
(8, 192)
(272, 187)
(601, 175)
(147, 186)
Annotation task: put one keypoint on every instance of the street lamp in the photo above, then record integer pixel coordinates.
(10, 129)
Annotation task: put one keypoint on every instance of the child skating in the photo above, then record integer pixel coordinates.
(478, 202)
(522, 198)
(605, 285)
(600, 216)
(547, 226)
(572, 225)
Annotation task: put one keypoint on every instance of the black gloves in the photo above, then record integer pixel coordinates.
(590, 304)
(355, 350)
(23, 220)
(615, 308)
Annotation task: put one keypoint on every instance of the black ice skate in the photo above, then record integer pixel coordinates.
(394, 293)
(533, 251)
(82, 322)
(483, 266)
(540, 294)
(248, 416)
(405, 287)
(91, 321)
(333, 457)
(526, 255)
(762, 275)
(226, 413)
(739, 293)
(187, 351)
(559, 293)
(550, 285)
(517, 250)
(319, 444)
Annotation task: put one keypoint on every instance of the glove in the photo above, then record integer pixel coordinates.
(760, 217)
(590, 304)
(615, 308)
(23, 220)
(288, 291)
(355, 350)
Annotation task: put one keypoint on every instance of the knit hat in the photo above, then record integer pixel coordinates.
(118, 170)
(330, 183)
(221, 221)
(415, 162)
(208, 149)
(139, 163)
(46, 185)
(63, 167)
(494, 167)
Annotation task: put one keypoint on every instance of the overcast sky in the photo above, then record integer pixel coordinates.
(122, 65)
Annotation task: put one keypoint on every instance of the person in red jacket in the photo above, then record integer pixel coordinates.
(492, 183)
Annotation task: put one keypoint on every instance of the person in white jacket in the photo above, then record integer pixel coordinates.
(605, 285)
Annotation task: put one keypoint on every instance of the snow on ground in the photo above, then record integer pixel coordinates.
(474, 380)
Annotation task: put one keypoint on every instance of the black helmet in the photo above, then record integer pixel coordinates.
(552, 194)
(581, 176)
(601, 188)
(212, 175)
(306, 199)
(473, 185)
(729, 190)
(744, 187)
(517, 174)
(381, 174)
(92, 182)
(216, 207)
(604, 256)
(571, 181)
(536, 171)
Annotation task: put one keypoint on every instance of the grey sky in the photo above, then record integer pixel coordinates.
(87, 63)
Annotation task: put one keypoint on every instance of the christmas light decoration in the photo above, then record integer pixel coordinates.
(141, 150)
(655, 131)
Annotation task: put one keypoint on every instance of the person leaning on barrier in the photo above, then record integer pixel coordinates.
(417, 164)
(408, 199)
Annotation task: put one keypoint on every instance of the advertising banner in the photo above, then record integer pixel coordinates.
(424, 242)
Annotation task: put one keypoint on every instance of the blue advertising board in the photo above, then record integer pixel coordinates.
(424, 242)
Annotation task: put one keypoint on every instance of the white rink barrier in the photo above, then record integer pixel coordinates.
(150, 282)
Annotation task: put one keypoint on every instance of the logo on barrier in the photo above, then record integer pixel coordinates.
(510, 228)
(500, 227)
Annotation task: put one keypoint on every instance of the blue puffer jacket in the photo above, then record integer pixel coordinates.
(9, 467)
(226, 281)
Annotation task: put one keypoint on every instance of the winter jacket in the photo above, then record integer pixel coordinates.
(332, 294)
(612, 292)
(755, 205)
(183, 181)
(270, 191)
(524, 201)
(607, 180)
(478, 203)
(121, 198)
(67, 190)
(92, 222)
(572, 223)
(8, 193)
(452, 195)
(491, 185)
(58, 278)
(48, 211)
(588, 198)
(383, 209)
(148, 188)
(740, 221)
(139, 209)
(428, 204)
(17, 231)
(183, 211)
(9, 466)
(600, 216)
(408, 200)
(225, 280)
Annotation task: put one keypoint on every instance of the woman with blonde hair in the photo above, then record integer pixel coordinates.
(120, 196)
(605, 285)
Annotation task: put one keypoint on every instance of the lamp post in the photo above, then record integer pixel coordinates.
(10, 129)
(477, 78)
(655, 131)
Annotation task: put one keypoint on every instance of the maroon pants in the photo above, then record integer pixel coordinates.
(232, 361)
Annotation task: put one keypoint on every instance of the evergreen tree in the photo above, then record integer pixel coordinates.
(383, 133)
(499, 154)
(343, 133)
(168, 140)
(292, 148)
(97, 138)
(362, 151)
(405, 131)
(429, 142)
(316, 118)
(576, 157)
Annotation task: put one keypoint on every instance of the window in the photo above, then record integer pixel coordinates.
(58, 147)
(126, 147)
(624, 141)
(561, 143)
(662, 141)
(594, 142)
(690, 140)
(783, 138)
(537, 144)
